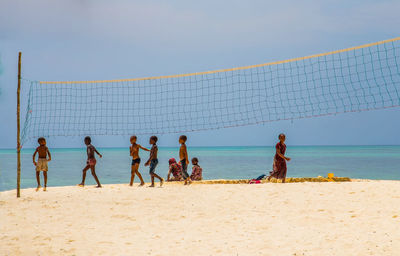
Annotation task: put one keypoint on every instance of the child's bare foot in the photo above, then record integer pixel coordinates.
(38, 187)
(131, 184)
(141, 184)
(98, 186)
(161, 182)
(80, 185)
(45, 189)
(151, 186)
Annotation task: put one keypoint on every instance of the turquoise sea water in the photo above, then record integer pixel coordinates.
(369, 162)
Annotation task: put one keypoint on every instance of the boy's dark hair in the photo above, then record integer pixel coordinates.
(282, 134)
(183, 137)
(87, 138)
(41, 139)
(133, 137)
(154, 138)
(195, 159)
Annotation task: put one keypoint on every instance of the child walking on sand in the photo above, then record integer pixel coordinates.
(279, 168)
(90, 163)
(184, 159)
(153, 161)
(134, 152)
(41, 164)
(197, 172)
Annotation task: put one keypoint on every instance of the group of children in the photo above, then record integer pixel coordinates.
(179, 171)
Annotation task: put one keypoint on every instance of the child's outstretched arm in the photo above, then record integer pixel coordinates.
(145, 149)
(48, 152)
(97, 152)
(33, 157)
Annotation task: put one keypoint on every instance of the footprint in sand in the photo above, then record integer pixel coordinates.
(121, 216)
(67, 251)
(27, 199)
(105, 242)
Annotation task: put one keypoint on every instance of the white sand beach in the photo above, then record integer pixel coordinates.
(343, 218)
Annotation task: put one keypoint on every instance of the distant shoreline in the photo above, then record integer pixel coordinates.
(231, 181)
(204, 147)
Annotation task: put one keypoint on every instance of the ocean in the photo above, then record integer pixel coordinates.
(364, 162)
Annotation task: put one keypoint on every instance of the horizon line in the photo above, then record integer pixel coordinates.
(253, 146)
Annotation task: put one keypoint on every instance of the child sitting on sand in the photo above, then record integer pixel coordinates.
(41, 164)
(153, 161)
(91, 162)
(197, 171)
(175, 169)
(184, 159)
(134, 153)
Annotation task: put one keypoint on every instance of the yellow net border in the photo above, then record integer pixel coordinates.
(224, 70)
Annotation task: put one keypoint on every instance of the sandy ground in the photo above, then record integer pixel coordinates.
(349, 218)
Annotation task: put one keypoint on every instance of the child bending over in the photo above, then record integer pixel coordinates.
(175, 169)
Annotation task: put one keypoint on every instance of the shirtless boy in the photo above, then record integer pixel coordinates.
(184, 159)
(134, 153)
(90, 163)
(41, 164)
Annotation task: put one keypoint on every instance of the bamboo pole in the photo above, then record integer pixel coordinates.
(18, 128)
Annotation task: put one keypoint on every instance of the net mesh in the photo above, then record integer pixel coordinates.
(355, 79)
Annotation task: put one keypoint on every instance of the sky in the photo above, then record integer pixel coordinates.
(99, 39)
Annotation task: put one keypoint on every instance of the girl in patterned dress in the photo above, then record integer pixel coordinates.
(175, 169)
(279, 168)
(197, 171)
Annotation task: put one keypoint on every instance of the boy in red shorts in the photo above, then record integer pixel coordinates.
(90, 163)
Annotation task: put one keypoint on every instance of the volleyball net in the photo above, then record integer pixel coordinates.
(360, 78)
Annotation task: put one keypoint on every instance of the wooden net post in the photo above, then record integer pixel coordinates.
(18, 128)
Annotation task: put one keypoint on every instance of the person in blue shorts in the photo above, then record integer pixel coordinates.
(153, 161)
